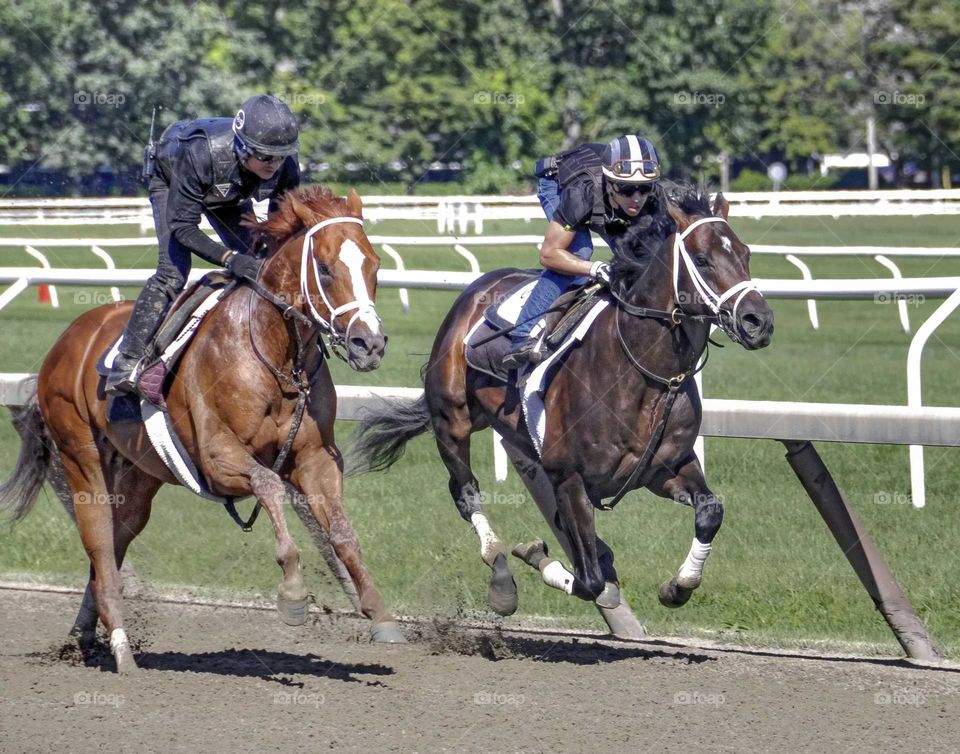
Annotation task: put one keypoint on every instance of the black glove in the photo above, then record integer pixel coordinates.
(243, 266)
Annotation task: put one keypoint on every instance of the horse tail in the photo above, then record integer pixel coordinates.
(381, 438)
(19, 492)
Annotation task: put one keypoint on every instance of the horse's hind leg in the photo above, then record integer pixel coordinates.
(102, 528)
(452, 428)
(689, 488)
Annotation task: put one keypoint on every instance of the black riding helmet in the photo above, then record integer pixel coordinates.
(264, 125)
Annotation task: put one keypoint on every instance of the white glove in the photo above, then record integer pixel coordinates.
(600, 271)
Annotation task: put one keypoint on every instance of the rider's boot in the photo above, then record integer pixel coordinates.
(524, 351)
(123, 376)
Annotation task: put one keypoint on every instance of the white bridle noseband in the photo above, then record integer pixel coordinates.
(712, 299)
(363, 305)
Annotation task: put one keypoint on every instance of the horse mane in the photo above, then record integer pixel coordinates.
(638, 246)
(285, 223)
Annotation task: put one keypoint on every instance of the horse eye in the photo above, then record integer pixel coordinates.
(703, 260)
(324, 270)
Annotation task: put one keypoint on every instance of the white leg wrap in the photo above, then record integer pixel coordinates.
(691, 572)
(118, 639)
(555, 575)
(488, 540)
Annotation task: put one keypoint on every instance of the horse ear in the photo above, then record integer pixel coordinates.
(302, 211)
(354, 203)
(721, 207)
(681, 218)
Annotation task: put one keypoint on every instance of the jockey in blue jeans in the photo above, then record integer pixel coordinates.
(592, 187)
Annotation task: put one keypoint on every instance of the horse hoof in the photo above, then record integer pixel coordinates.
(122, 654)
(609, 597)
(673, 595)
(293, 612)
(502, 593)
(125, 662)
(387, 632)
(85, 639)
(531, 553)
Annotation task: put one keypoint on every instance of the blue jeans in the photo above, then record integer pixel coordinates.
(551, 285)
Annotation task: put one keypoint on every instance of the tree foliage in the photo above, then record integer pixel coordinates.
(388, 90)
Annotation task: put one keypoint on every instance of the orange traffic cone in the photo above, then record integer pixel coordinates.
(43, 294)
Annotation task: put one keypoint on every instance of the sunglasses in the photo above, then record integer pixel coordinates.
(268, 158)
(629, 189)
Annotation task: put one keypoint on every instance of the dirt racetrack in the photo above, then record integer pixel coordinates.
(238, 680)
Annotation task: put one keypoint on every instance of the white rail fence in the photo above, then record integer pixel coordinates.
(836, 425)
(884, 256)
(449, 212)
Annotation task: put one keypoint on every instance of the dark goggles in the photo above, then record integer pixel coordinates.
(629, 189)
(626, 169)
(270, 158)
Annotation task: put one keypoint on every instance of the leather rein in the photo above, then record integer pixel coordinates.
(316, 325)
(676, 317)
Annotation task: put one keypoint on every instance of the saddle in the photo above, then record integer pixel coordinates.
(489, 339)
(177, 329)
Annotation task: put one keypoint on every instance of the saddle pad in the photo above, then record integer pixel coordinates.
(535, 387)
(487, 358)
(123, 409)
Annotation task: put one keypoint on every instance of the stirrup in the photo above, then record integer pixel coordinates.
(123, 377)
(527, 352)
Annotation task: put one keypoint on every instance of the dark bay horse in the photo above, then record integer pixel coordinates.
(622, 411)
(232, 402)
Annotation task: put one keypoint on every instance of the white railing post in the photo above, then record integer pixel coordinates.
(914, 398)
(404, 295)
(54, 299)
(811, 304)
(108, 260)
(901, 301)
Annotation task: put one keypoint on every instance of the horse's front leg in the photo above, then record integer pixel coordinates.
(292, 595)
(318, 474)
(689, 488)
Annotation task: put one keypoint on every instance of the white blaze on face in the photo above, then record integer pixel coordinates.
(352, 257)
(727, 245)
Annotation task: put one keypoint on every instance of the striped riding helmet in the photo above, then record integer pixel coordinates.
(631, 159)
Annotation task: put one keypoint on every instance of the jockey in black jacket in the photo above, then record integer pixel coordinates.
(214, 167)
(603, 189)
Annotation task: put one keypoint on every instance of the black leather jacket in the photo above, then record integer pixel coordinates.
(195, 160)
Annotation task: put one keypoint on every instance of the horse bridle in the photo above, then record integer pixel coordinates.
(337, 341)
(710, 297)
(298, 378)
(673, 384)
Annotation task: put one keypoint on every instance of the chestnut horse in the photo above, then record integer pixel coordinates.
(232, 401)
(622, 411)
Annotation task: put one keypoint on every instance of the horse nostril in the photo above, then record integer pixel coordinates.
(751, 323)
(360, 344)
